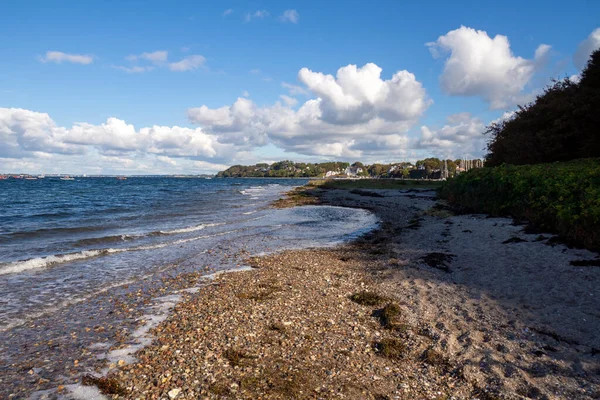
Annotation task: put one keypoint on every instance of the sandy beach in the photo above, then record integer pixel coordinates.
(430, 306)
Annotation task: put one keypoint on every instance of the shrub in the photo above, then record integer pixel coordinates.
(563, 198)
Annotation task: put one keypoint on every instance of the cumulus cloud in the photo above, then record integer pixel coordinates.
(25, 133)
(227, 12)
(353, 113)
(290, 16)
(462, 136)
(586, 48)
(59, 57)
(358, 95)
(189, 63)
(478, 65)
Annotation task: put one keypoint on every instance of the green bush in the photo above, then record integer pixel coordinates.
(562, 197)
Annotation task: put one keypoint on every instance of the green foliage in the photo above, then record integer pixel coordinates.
(560, 125)
(282, 169)
(563, 198)
(290, 169)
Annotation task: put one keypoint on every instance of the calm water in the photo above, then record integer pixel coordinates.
(63, 241)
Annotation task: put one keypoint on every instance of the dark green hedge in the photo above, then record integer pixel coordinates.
(562, 197)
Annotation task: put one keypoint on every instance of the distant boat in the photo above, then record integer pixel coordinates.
(3, 177)
(121, 178)
(41, 176)
(31, 178)
(67, 178)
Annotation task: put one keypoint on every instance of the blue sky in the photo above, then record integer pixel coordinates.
(82, 85)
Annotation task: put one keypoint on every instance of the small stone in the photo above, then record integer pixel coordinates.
(173, 393)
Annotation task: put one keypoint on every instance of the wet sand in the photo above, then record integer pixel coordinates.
(432, 305)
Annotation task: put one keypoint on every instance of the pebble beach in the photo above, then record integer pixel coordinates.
(431, 305)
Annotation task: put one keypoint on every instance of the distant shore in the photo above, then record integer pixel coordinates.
(432, 305)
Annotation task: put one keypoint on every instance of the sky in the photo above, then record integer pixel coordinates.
(156, 87)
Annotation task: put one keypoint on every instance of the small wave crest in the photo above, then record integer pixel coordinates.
(43, 262)
(188, 229)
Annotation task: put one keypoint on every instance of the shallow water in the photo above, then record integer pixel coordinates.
(74, 254)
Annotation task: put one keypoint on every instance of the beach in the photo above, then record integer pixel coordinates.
(431, 305)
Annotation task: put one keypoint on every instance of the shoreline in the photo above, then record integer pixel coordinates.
(290, 329)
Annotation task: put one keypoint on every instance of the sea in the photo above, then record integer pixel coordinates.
(62, 242)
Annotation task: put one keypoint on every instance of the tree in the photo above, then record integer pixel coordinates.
(560, 125)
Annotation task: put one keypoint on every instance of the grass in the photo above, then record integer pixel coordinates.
(438, 260)
(107, 385)
(435, 358)
(237, 357)
(389, 316)
(390, 348)
(265, 291)
(375, 184)
(365, 298)
(296, 197)
(275, 380)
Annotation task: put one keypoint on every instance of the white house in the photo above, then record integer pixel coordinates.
(353, 171)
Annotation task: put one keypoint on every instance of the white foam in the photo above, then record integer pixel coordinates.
(212, 276)
(141, 337)
(249, 212)
(43, 262)
(189, 229)
(81, 392)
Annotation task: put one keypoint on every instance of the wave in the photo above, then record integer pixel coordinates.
(106, 239)
(189, 229)
(51, 231)
(43, 262)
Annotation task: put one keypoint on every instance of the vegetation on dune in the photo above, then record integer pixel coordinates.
(558, 197)
(560, 125)
(539, 166)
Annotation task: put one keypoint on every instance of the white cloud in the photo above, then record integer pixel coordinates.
(245, 93)
(586, 48)
(60, 57)
(294, 90)
(359, 95)
(135, 69)
(227, 12)
(482, 66)
(290, 16)
(156, 57)
(462, 136)
(189, 63)
(260, 14)
(354, 113)
(289, 101)
(25, 133)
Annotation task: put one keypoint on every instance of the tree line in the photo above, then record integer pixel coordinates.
(560, 125)
(428, 168)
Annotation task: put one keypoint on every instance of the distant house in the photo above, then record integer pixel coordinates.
(353, 171)
(331, 173)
